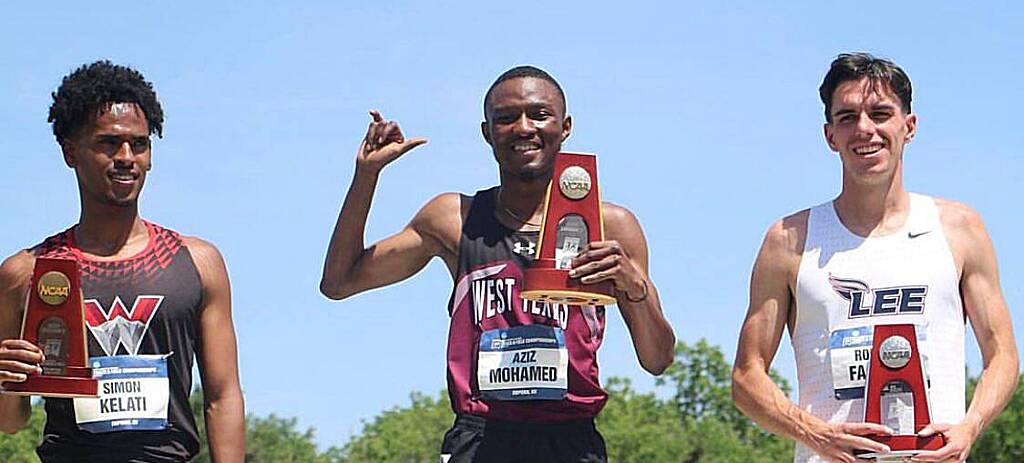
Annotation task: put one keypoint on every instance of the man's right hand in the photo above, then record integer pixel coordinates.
(836, 442)
(18, 359)
(383, 143)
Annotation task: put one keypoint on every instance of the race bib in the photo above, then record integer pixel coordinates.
(134, 392)
(527, 362)
(850, 357)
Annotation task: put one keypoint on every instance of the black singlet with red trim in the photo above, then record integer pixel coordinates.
(162, 279)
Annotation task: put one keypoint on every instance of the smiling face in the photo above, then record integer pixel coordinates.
(868, 129)
(111, 156)
(525, 126)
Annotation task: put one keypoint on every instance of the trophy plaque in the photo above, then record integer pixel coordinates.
(896, 394)
(572, 219)
(55, 321)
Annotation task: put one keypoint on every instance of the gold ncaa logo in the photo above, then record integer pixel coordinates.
(54, 288)
(574, 182)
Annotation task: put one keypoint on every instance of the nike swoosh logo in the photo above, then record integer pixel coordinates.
(913, 235)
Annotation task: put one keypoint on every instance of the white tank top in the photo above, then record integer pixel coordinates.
(847, 284)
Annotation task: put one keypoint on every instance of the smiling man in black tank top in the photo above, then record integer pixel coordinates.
(153, 299)
(486, 241)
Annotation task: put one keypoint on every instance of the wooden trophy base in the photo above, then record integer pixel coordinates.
(56, 386)
(558, 288)
(903, 446)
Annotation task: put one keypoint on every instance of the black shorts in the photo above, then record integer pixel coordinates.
(473, 439)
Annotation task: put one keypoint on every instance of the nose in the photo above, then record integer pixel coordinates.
(124, 154)
(865, 124)
(524, 126)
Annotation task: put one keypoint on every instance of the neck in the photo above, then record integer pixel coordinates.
(866, 208)
(523, 200)
(104, 230)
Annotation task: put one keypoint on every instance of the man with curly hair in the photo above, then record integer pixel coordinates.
(154, 300)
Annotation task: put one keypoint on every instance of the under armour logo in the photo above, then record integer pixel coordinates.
(519, 247)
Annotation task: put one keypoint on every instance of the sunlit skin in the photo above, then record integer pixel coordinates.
(868, 129)
(525, 126)
(111, 157)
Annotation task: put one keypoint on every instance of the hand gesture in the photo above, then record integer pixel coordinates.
(384, 143)
(18, 359)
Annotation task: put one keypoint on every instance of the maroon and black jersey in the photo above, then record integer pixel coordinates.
(147, 304)
(492, 259)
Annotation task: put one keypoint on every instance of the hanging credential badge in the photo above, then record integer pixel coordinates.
(134, 393)
(527, 362)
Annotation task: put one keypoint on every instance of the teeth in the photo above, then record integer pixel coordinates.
(523, 147)
(868, 149)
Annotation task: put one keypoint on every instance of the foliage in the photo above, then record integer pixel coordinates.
(695, 422)
(1002, 441)
(21, 447)
(404, 434)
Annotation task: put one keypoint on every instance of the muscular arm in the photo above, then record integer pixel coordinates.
(224, 408)
(987, 311)
(652, 336)
(17, 358)
(755, 394)
(770, 301)
(351, 267)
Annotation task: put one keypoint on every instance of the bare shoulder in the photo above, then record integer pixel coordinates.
(618, 220)
(16, 271)
(207, 258)
(442, 217)
(958, 218)
(786, 237)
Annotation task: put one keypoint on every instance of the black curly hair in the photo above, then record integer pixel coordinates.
(91, 88)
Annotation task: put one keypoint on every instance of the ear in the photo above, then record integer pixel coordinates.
(485, 130)
(830, 137)
(68, 150)
(566, 128)
(911, 127)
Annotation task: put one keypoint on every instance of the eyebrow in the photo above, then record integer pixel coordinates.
(875, 107)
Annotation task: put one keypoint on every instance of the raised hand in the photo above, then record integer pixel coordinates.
(383, 143)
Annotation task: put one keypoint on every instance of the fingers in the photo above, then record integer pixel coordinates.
(934, 428)
(597, 250)
(19, 344)
(861, 429)
(598, 270)
(412, 143)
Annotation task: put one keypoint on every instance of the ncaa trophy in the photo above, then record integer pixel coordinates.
(55, 321)
(896, 394)
(572, 219)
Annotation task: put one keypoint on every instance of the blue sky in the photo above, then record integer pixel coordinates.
(705, 118)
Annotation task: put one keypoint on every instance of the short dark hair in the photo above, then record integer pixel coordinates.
(91, 88)
(857, 66)
(523, 71)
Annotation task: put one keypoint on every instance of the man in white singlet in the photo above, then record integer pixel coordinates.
(874, 255)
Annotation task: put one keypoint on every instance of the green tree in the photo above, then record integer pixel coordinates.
(270, 439)
(1002, 442)
(640, 428)
(406, 434)
(702, 380)
(21, 447)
